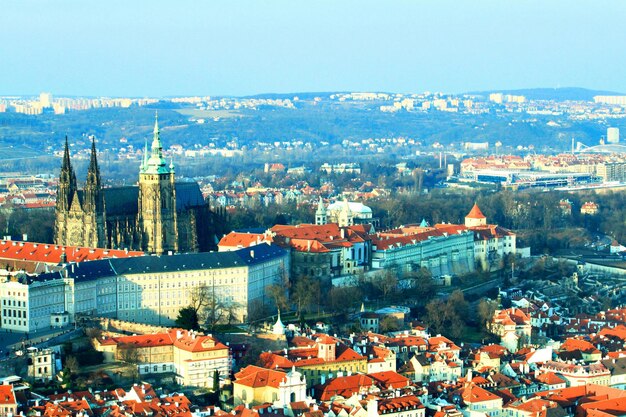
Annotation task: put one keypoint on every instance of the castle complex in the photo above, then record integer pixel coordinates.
(158, 215)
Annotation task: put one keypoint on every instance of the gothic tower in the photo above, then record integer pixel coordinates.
(93, 205)
(157, 200)
(65, 194)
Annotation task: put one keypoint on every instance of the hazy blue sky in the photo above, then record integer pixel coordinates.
(157, 48)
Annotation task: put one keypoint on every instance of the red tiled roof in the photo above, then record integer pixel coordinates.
(255, 377)
(345, 386)
(572, 344)
(475, 213)
(244, 240)
(51, 254)
(393, 405)
(7, 396)
(199, 343)
(390, 379)
(550, 378)
(472, 393)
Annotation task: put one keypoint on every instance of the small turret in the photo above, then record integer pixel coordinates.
(475, 217)
(321, 216)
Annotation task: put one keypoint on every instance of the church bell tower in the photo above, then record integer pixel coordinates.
(157, 199)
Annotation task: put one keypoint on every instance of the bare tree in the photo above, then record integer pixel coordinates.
(199, 297)
(131, 356)
(387, 282)
(71, 365)
(278, 294)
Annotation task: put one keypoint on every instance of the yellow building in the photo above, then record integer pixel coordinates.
(326, 359)
(192, 356)
(254, 385)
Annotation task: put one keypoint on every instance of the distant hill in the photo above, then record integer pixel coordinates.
(557, 94)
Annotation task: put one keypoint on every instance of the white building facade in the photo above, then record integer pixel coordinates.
(147, 289)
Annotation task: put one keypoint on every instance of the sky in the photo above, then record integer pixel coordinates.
(161, 48)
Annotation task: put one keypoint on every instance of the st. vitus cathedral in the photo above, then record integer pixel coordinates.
(158, 215)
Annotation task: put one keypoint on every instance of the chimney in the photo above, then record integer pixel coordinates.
(252, 254)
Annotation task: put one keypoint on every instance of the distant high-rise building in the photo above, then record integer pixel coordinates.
(621, 100)
(612, 135)
(45, 100)
(496, 97)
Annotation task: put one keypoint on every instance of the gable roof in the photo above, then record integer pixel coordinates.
(7, 396)
(256, 377)
(344, 386)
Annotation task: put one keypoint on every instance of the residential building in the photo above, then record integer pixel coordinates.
(8, 403)
(513, 326)
(327, 357)
(192, 357)
(589, 208)
(575, 374)
(41, 364)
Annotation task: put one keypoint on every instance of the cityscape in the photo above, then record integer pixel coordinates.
(330, 209)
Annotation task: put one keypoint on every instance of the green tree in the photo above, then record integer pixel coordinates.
(216, 382)
(187, 318)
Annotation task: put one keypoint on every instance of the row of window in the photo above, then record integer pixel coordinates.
(14, 304)
(13, 322)
(14, 313)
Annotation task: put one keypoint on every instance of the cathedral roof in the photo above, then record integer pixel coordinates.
(122, 201)
(188, 195)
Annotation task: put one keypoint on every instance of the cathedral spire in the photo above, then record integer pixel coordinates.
(156, 163)
(67, 180)
(67, 165)
(157, 147)
(93, 164)
(93, 197)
